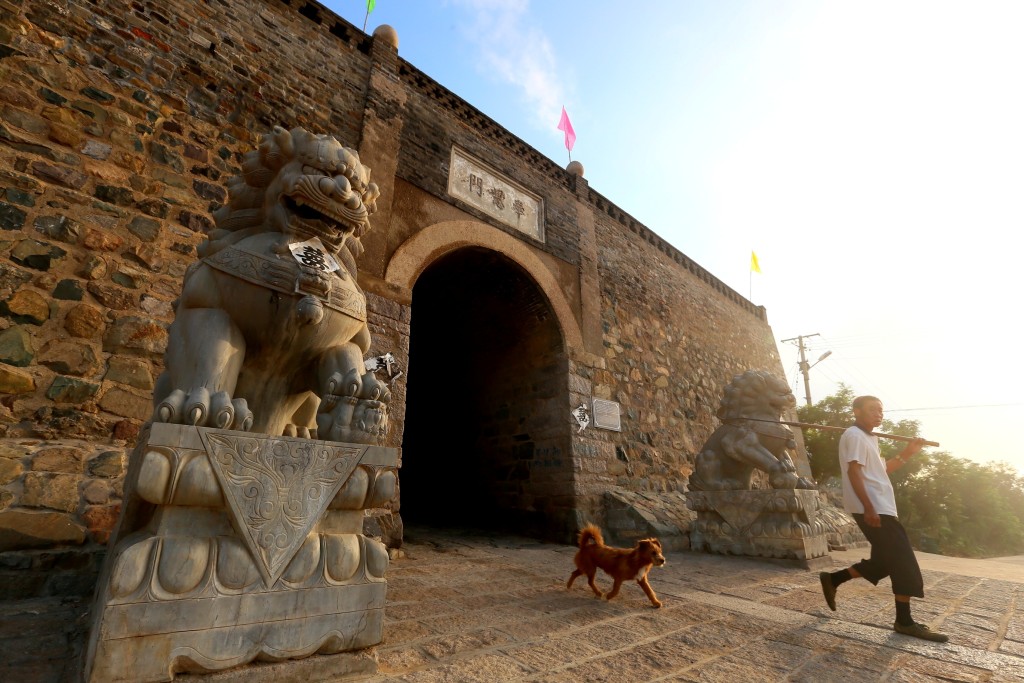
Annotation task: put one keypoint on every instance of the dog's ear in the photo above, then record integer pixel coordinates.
(651, 545)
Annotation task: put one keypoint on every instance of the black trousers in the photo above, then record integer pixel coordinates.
(892, 556)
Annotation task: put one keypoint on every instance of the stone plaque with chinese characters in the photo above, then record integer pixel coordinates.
(485, 189)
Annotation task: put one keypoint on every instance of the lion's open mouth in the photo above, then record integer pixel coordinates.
(315, 217)
(307, 212)
(324, 206)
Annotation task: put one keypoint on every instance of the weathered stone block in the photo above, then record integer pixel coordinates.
(69, 137)
(36, 255)
(100, 520)
(19, 197)
(209, 191)
(126, 404)
(127, 430)
(121, 196)
(62, 175)
(146, 229)
(30, 529)
(30, 123)
(14, 381)
(100, 240)
(84, 321)
(12, 278)
(195, 152)
(157, 308)
(97, 94)
(63, 459)
(18, 96)
(27, 306)
(97, 492)
(94, 111)
(93, 268)
(71, 390)
(69, 290)
(112, 296)
(154, 207)
(129, 277)
(63, 116)
(136, 336)
(96, 150)
(16, 347)
(108, 464)
(11, 217)
(49, 490)
(131, 371)
(61, 228)
(10, 470)
(69, 357)
(195, 222)
(163, 155)
(148, 255)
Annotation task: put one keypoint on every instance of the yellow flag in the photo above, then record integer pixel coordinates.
(754, 267)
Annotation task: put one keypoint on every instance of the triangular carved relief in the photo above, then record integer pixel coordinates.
(277, 489)
(738, 509)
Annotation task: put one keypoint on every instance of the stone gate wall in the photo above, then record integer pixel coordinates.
(119, 123)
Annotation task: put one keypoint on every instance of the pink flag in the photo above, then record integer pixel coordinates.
(570, 134)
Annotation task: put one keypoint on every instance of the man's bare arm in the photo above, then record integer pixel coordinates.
(871, 517)
(893, 464)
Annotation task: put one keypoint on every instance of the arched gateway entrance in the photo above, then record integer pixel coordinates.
(486, 441)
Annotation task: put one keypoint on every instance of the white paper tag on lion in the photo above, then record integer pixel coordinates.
(312, 254)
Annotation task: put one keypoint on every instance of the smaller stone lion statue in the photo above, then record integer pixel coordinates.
(751, 437)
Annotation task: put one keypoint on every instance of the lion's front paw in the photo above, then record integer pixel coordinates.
(790, 480)
(201, 408)
(362, 418)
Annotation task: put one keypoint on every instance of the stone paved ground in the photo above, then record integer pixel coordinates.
(478, 607)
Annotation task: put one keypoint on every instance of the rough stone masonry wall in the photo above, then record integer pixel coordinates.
(119, 122)
(672, 341)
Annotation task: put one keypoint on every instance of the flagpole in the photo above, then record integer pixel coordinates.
(370, 4)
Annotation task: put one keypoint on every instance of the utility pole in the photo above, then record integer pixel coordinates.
(805, 367)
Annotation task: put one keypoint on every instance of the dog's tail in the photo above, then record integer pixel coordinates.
(590, 534)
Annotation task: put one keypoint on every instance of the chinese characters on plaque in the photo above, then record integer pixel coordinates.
(485, 189)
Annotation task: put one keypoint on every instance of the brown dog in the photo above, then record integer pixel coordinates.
(619, 563)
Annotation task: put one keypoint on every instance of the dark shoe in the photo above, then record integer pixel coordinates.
(920, 631)
(828, 590)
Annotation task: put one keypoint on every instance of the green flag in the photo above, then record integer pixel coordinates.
(370, 4)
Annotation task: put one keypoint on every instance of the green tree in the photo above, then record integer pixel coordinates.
(948, 505)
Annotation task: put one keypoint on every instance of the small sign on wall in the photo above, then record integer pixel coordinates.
(607, 415)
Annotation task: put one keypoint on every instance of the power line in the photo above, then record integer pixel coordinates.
(981, 405)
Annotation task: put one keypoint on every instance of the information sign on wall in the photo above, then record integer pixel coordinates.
(483, 188)
(606, 415)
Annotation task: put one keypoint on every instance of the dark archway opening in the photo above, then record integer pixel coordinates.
(486, 431)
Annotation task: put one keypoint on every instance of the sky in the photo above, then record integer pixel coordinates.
(870, 153)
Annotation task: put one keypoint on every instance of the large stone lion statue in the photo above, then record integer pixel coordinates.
(270, 329)
(751, 437)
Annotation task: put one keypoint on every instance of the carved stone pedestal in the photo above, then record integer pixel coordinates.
(237, 547)
(776, 524)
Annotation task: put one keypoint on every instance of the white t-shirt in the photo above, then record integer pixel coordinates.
(856, 445)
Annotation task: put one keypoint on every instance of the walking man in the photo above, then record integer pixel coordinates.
(868, 496)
